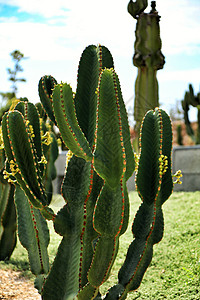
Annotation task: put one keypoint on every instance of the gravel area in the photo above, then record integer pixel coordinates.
(14, 286)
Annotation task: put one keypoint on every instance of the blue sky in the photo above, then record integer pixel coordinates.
(53, 35)
(8, 11)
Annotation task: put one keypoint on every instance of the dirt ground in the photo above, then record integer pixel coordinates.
(14, 286)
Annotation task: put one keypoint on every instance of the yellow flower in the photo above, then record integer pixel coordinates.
(14, 103)
(59, 142)
(14, 170)
(163, 164)
(13, 167)
(68, 157)
(43, 160)
(178, 175)
(1, 139)
(47, 138)
(136, 156)
(31, 131)
(6, 175)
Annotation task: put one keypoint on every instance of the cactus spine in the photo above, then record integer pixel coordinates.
(148, 58)
(94, 126)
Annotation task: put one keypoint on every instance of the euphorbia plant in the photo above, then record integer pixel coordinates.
(148, 58)
(94, 126)
(47, 152)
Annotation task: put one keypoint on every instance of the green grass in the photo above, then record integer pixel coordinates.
(174, 272)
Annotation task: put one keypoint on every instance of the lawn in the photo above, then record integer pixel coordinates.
(174, 272)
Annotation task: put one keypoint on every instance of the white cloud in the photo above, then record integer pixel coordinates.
(86, 23)
(107, 22)
(91, 22)
(180, 26)
(38, 41)
(183, 75)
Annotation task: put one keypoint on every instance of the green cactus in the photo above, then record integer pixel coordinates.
(8, 236)
(190, 99)
(179, 135)
(154, 185)
(148, 58)
(7, 214)
(93, 124)
(48, 173)
(137, 7)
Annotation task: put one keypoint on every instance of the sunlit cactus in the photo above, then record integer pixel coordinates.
(93, 124)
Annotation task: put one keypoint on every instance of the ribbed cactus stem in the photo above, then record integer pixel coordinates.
(146, 93)
(148, 58)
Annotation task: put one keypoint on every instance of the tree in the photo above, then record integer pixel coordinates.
(17, 56)
(7, 97)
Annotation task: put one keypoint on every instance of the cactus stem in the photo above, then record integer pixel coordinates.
(84, 222)
(146, 244)
(100, 57)
(44, 88)
(123, 207)
(120, 121)
(66, 119)
(17, 167)
(110, 260)
(97, 117)
(35, 158)
(36, 234)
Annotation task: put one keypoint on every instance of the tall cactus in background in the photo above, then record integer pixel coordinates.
(190, 99)
(93, 124)
(148, 58)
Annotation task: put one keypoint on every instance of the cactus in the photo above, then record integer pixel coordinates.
(179, 135)
(7, 214)
(154, 185)
(190, 99)
(148, 58)
(93, 124)
(8, 237)
(137, 7)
